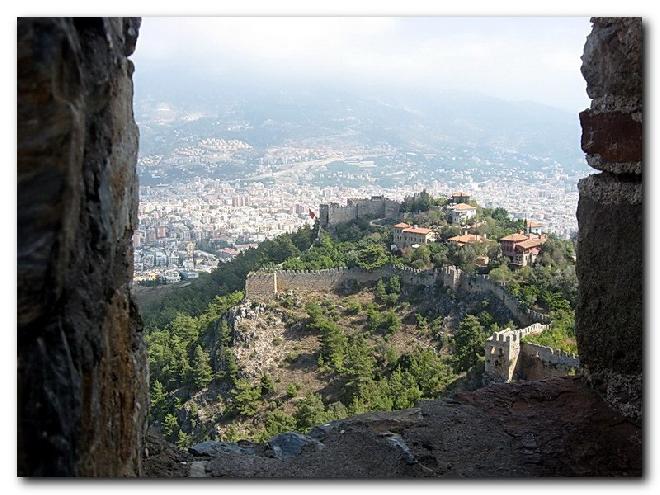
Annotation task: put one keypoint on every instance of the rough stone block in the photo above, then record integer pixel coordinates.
(609, 312)
(613, 136)
(82, 373)
(612, 60)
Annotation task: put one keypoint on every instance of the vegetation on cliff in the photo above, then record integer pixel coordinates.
(309, 358)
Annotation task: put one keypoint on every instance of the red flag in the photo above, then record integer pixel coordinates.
(312, 215)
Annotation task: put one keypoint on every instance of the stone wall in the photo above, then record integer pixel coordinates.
(262, 286)
(609, 312)
(82, 374)
(502, 350)
(376, 207)
(538, 361)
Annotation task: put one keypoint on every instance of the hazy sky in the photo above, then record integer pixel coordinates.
(516, 58)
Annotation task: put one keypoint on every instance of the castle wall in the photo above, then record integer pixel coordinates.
(537, 361)
(377, 207)
(260, 286)
(502, 351)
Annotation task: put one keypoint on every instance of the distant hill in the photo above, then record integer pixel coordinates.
(422, 122)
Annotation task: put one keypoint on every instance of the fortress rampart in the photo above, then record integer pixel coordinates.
(375, 207)
(502, 350)
(263, 285)
(538, 361)
(508, 358)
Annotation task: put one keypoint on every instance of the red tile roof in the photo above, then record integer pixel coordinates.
(515, 237)
(401, 225)
(530, 243)
(418, 230)
(466, 238)
(464, 206)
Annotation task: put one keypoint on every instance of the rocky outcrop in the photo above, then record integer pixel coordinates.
(82, 375)
(556, 427)
(609, 313)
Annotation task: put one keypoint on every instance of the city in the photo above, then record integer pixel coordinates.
(189, 227)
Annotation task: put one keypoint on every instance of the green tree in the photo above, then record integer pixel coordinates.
(360, 362)
(170, 426)
(501, 274)
(246, 397)
(469, 343)
(370, 255)
(267, 385)
(279, 422)
(183, 440)
(431, 373)
(291, 390)
(310, 411)
(202, 373)
(403, 389)
(333, 344)
(158, 400)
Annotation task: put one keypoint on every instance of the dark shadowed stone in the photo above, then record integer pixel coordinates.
(613, 136)
(612, 60)
(609, 268)
(287, 445)
(211, 448)
(82, 377)
(557, 427)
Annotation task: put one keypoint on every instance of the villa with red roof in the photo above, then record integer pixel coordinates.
(462, 212)
(410, 235)
(462, 240)
(522, 249)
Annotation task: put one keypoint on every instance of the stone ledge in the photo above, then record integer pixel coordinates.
(607, 189)
(619, 168)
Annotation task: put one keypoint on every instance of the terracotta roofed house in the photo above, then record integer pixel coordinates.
(406, 235)
(522, 249)
(462, 240)
(462, 212)
(533, 226)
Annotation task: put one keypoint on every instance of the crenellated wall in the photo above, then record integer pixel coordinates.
(502, 350)
(609, 312)
(375, 207)
(538, 361)
(507, 357)
(263, 285)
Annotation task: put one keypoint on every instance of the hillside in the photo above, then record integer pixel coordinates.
(226, 368)
(303, 359)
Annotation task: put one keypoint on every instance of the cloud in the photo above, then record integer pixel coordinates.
(512, 58)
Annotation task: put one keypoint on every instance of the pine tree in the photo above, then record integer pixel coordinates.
(246, 397)
(183, 440)
(158, 400)
(170, 426)
(202, 374)
(267, 385)
(310, 411)
(468, 343)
